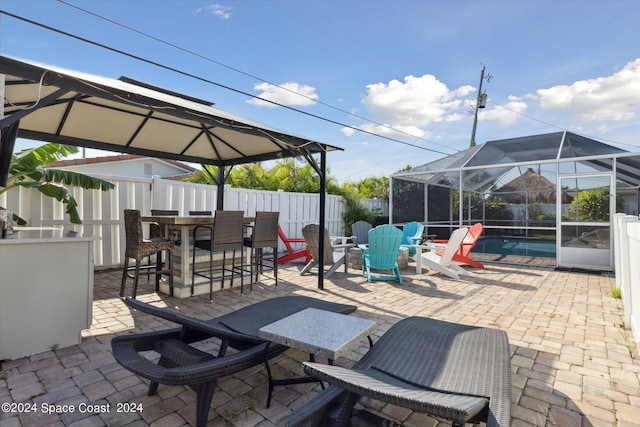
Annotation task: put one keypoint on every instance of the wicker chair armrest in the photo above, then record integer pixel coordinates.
(210, 328)
(126, 352)
(379, 385)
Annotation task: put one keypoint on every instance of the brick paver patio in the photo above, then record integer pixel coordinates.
(572, 362)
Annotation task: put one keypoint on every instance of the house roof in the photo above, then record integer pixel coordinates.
(529, 187)
(116, 158)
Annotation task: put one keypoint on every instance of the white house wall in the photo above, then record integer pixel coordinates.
(134, 168)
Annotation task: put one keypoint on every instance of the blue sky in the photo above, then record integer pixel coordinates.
(407, 70)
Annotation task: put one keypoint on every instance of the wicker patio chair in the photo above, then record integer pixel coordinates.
(264, 235)
(449, 370)
(180, 363)
(155, 230)
(138, 248)
(226, 235)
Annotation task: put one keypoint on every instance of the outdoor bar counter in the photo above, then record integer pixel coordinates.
(46, 290)
(181, 229)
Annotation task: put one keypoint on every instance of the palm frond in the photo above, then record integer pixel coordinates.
(60, 193)
(33, 158)
(75, 179)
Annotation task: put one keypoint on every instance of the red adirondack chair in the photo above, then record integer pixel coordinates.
(292, 253)
(475, 231)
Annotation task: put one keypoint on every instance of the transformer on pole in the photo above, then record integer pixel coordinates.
(481, 102)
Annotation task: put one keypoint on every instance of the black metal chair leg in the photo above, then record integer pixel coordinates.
(125, 274)
(211, 277)
(135, 279)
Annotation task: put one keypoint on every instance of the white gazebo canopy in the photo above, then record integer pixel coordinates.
(52, 104)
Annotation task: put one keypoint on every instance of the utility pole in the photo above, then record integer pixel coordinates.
(481, 102)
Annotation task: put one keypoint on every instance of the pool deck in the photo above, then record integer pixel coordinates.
(572, 363)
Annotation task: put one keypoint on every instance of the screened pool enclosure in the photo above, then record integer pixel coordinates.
(556, 190)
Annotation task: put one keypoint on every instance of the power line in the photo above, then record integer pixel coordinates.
(237, 70)
(196, 54)
(193, 76)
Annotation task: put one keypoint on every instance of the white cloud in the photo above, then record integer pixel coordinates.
(348, 131)
(289, 93)
(412, 105)
(615, 97)
(217, 10)
(505, 115)
(388, 130)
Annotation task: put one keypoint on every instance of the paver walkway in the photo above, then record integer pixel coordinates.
(572, 363)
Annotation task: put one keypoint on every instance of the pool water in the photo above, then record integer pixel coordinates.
(521, 246)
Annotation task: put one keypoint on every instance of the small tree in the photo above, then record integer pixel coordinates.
(593, 205)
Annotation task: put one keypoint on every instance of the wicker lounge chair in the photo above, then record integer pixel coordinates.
(181, 363)
(448, 370)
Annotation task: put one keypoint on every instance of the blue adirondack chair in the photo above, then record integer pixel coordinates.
(382, 253)
(412, 235)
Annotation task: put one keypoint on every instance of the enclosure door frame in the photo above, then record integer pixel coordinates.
(590, 256)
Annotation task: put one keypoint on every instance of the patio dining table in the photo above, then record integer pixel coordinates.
(181, 227)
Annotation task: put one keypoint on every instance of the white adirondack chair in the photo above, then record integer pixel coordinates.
(444, 263)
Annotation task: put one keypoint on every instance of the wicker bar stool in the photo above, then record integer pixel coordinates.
(138, 248)
(155, 230)
(264, 235)
(226, 235)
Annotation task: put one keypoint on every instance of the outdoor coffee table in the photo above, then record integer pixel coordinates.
(317, 332)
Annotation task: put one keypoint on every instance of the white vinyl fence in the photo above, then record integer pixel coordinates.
(102, 212)
(627, 254)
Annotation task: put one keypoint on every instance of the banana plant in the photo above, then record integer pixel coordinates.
(27, 170)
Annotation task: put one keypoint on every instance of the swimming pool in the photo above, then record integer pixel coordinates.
(522, 246)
